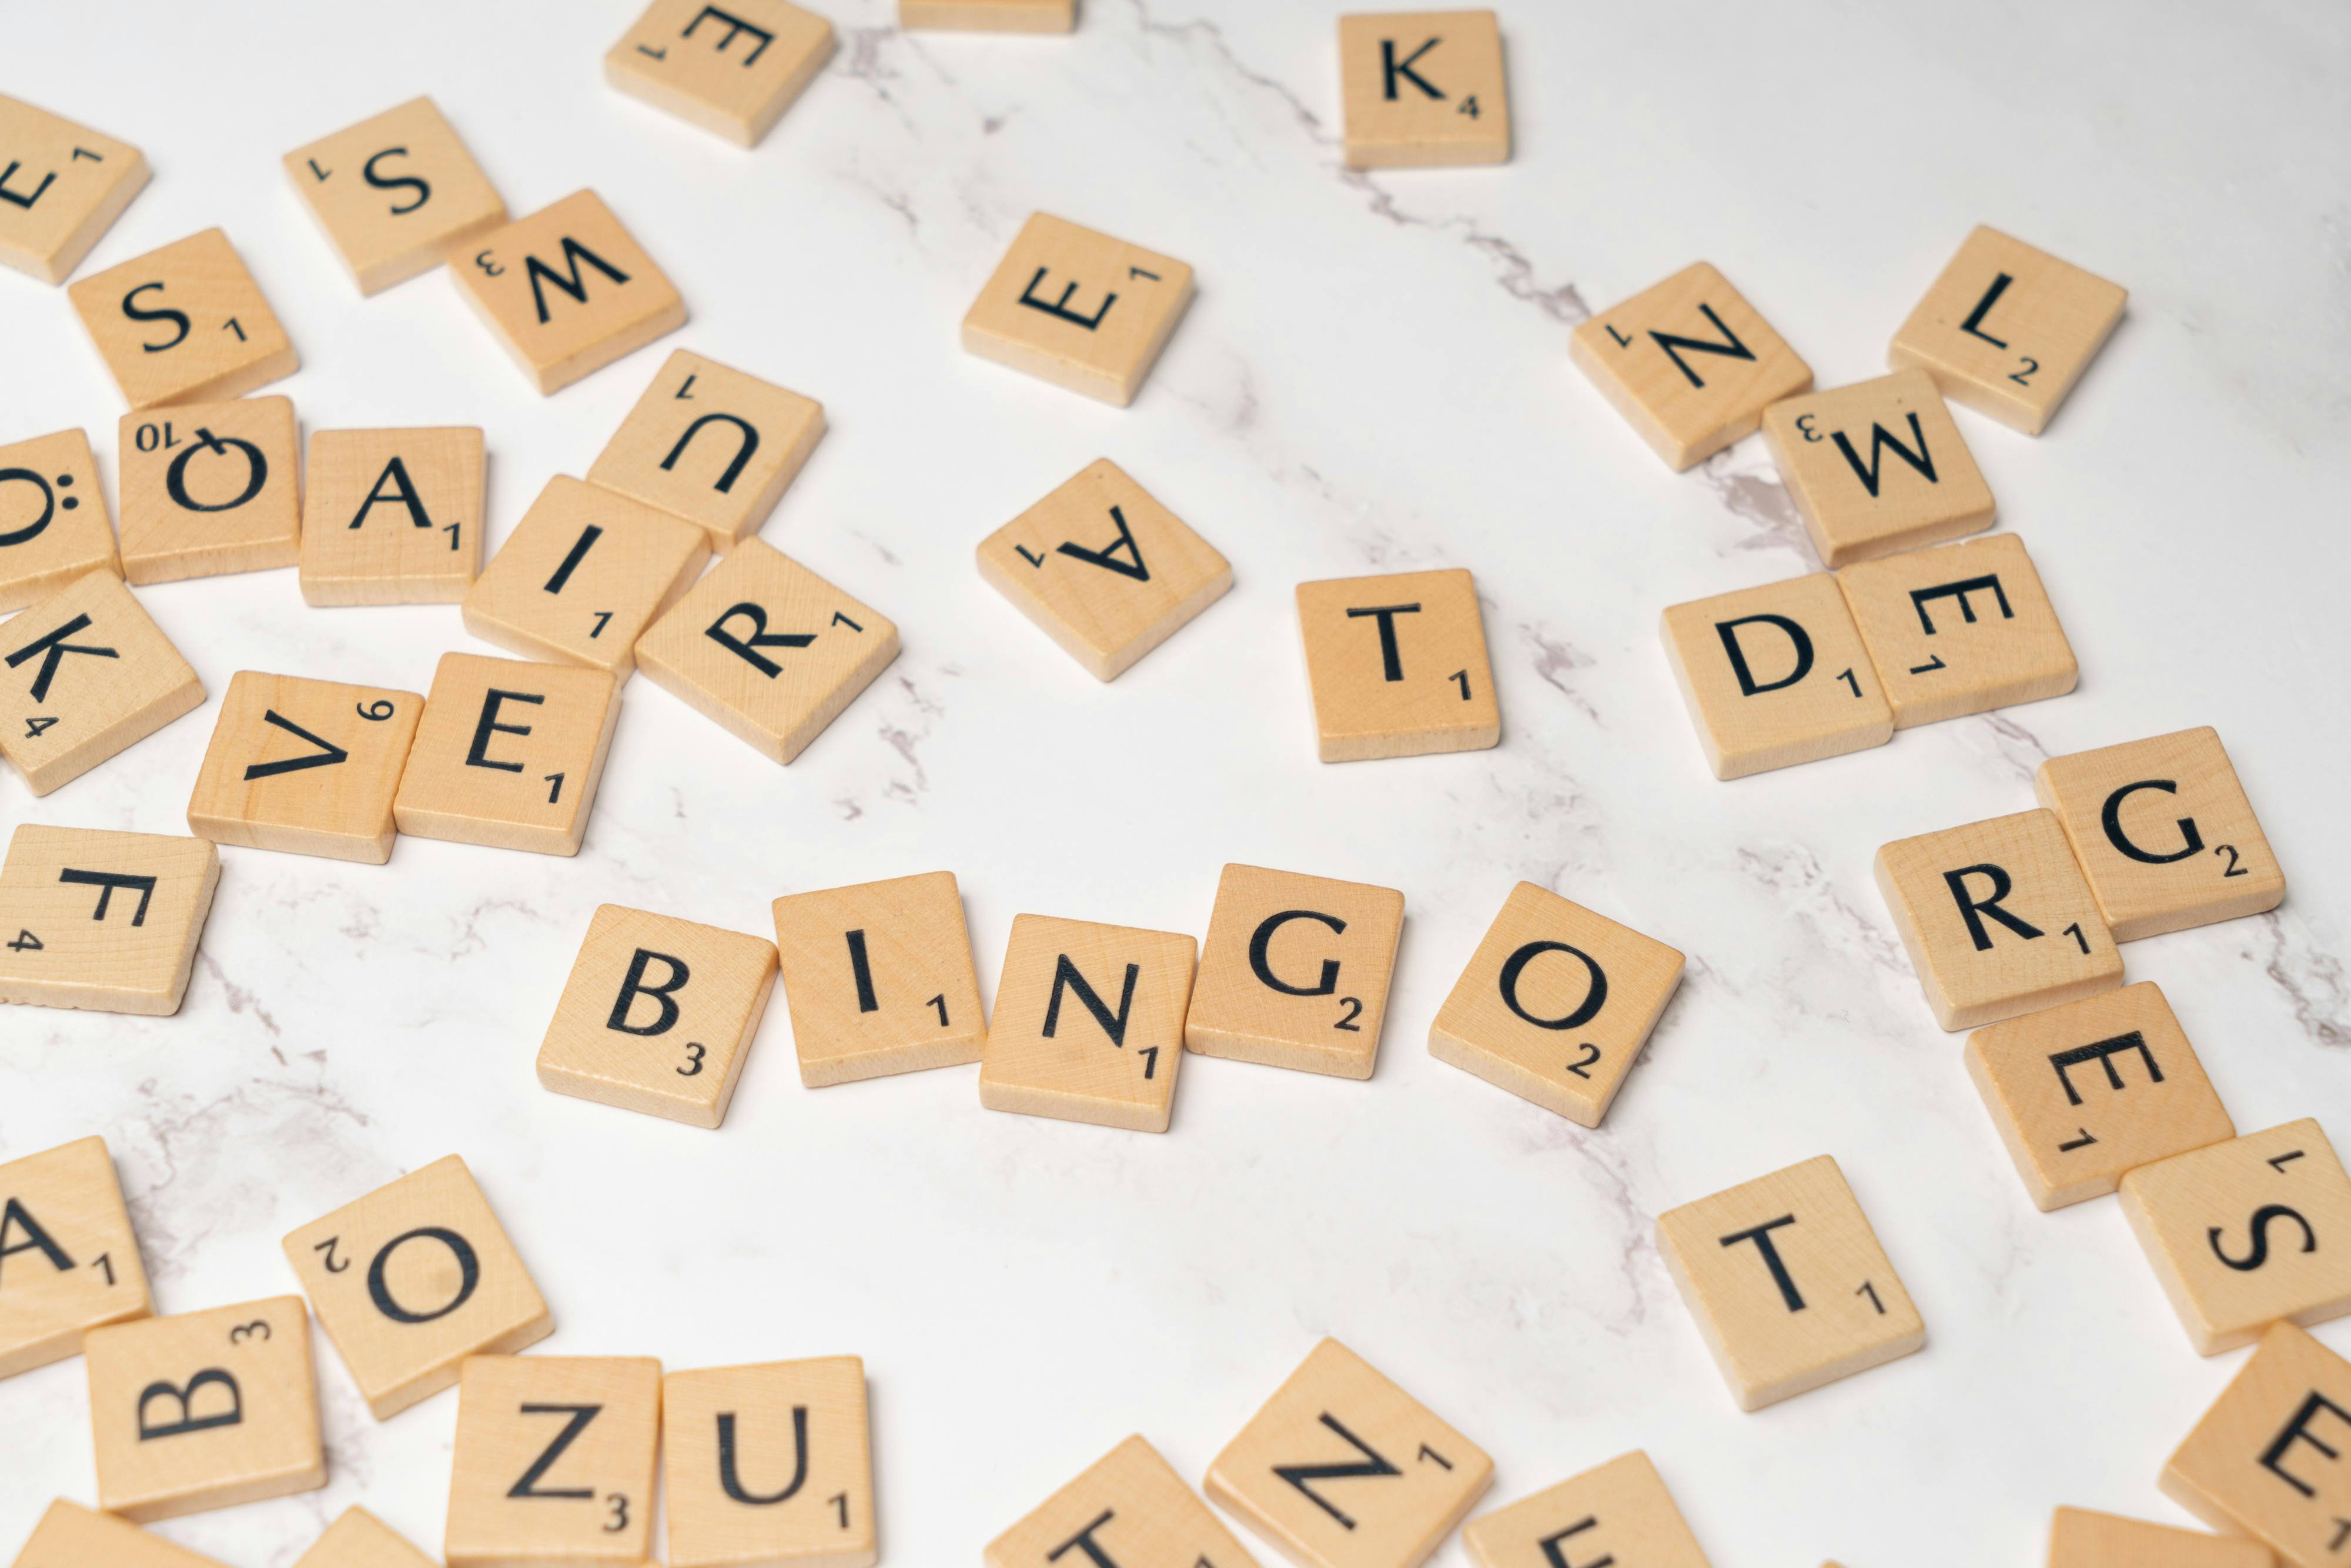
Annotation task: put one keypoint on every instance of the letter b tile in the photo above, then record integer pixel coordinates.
(768, 1464)
(1089, 1024)
(1077, 308)
(554, 1461)
(1129, 1506)
(1776, 675)
(2271, 1458)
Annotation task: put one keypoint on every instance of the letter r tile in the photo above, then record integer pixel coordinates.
(1776, 675)
(2271, 1458)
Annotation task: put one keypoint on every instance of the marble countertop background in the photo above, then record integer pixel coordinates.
(1374, 377)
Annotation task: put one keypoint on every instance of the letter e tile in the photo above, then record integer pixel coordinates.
(2271, 1458)
(1079, 309)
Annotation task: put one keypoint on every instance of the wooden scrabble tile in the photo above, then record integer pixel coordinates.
(1129, 1506)
(1997, 919)
(879, 979)
(1344, 1469)
(397, 194)
(767, 650)
(413, 1278)
(2084, 1091)
(1556, 1004)
(581, 577)
(53, 522)
(306, 767)
(69, 1259)
(1959, 630)
(1376, 648)
(392, 517)
(568, 290)
(102, 921)
(1296, 972)
(990, 16)
(1077, 308)
(711, 444)
(209, 488)
(85, 675)
(768, 1464)
(732, 71)
(1089, 1024)
(1776, 675)
(1788, 1283)
(62, 186)
(658, 1016)
(184, 324)
(508, 754)
(1690, 363)
(2008, 329)
(1620, 1512)
(1423, 89)
(203, 1410)
(70, 1536)
(554, 1460)
(357, 1538)
(1104, 570)
(1877, 468)
(2269, 1458)
(2081, 1539)
(2164, 833)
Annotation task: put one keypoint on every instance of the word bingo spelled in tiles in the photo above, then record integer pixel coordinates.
(1424, 88)
(1997, 919)
(568, 290)
(1104, 570)
(83, 675)
(102, 921)
(1909, 481)
(1296, 972)
(879, 979)
(2081, 1539)
(1130, 1505)
(184, 324)
(711, 444)
(1959, 630)
(69, 1536)
(507, 755)
(209, 488)
(554, 1460)
(1690, 363)
(581, 577)
(308, 767)
(1397, 665)
(732, 71)
(990, 16)
(1620, 1512)
(395, 195)
(1788, 1283)
(203, 1410)
(1344, 1469)
(413, 1278)
(2083, 1093)
(1077, 308)
(2271, 1458)
(1776, 675)
(53, 522)
(62, 186)
(768, 1464)
(1556, 1004)
(2008, 329)
(1089, 1024)
(392, 517)
(658, 1016)
(69, 1260)
(357, 1538)
(2164, 833)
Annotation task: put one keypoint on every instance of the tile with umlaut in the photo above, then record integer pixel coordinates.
(396, 194)
(413, 1278)
(2079, 1538)
(568, 290)
(1295, 972)
(72, 1261)
(71, 1536)
(989, 16)
(581, 577)
(183, 324)
(209, 488)
(61, 189)
(732, 71)
(2271, 1458)
(1959, 630)
(84, 675)
(1077, 308)
(1397, 665)
(102, 921)
(508, 754)
(53, 523)
(1423, 89)
(1089, 1024)
(879, 979)
(306, 767)
(1129, 1506)
(392, 517)
(712, 444)
(2008, 329)
(1877, 468)
(1690, 364)
(554, 1461)
(1620, 1511)
(768, 1464)
(1776, 675)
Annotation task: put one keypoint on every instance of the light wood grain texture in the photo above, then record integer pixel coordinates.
(554, 1461)
(1104, 570)
(2008, 329)
(392, 517)
(71, 1536)
(1690, 363)
(306, 767)
(1877, 467)
(507, 755)
(203, 1410)
(769, 1466)
(658, 1016)
(1997, 919)
(1776, 675)
(84, 675)
(2271, 1458)
(1296, 972)
(1959, 630)
(64, 185)
(411, 1279)
(69, 1259)
(1374, 1479)
(732, 70)
(1619, 1512)
(2164, 833)
(568, 290)
(396, 194)
(1129, 1506)
(53, 523)
(2081, 1539)
(102, 921)
(1423, 89)
(1397, 665)
(1089, 1024)
(183, 324)
(1556, 1004)
(357, 1538)
(2084, 1091)
(711, 444)
(209, 488)
(1077, 308)
(990, 16)
(581, 577)
(1788, 1283)
(879, 979)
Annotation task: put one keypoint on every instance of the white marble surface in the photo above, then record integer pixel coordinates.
(1373, 377)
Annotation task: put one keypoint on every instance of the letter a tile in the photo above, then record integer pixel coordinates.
(62, 186)
(83, 675)
(209, 488)
(2008, 329)
(990, 16)
(392, 517)
(1344, 1469)
(1397, 665)
(711, 444)
(70, 1536)
(1129, 1506)
(1296, 972)
(1620, 1512)
(2271, 1458)
(554, 1461)
(67, 1257)
(395, 195)
(1877, 467)
(1423, 89)
(1079, 309)
(184, 324)
(581, 577)
(880, 980)
(768, 1464)
(1089, 1024)
(508, 754)
(1776, 675)
(306, 767)
(53, 522)
(568, 290)
(2080, 1539)
(1690, 363)
(102, 921)
(732, 70)
(357, 1538)
(1960, 630)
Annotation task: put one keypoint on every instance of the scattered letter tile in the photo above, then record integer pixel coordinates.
(879, 979)
(184, 324)
(581, 577)
(62, 186)
(1877, 467)
(1959, 630)
(209, 488)
(1690, 363)
(731, 70)
(306, 767)
(69, 1260)
(568, 290)
(1129, 1506)
(396, 194)
(392, 517)
(711, 444)
(1423, 89)
(83, 675)
(1077, 308)
(1397, 665)
(1296, 972)
(71, 1536)
(53, 522)
(102, 921)
(1089, 1024)
(768, 1464)
(989, 16)
(554, 1461)
(1776, 675)
(1619, 1512)
(2080, 1539)
(357, 1538)
(2008, 329)
(2271, 1458)
(508, 754)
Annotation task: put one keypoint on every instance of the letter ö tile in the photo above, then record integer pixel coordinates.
(53, 523)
